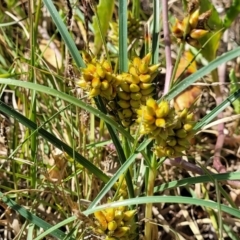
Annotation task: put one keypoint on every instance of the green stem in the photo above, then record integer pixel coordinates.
(150, 190)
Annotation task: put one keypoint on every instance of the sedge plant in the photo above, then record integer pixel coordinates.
(118, 101)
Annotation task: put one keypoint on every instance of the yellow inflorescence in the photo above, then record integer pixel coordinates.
(135, 88)
(116, 223)
(193, 27)
(135, 30)
(98, 80)
(171, 131)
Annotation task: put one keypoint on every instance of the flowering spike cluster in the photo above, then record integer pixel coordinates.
(135, 88)
(116, 223)
(171, 131)
(134, 30)
(193, 27)
(98, 79)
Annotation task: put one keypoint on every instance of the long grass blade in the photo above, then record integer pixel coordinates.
(64, 33)
(201, 73)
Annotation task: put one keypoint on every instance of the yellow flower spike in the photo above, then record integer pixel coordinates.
(178, 29)
(152, 128)
(109, 77)
(82, 84)
(193, 42)
(188, 127)
(120, 115)
(153, 69)
(164, 134)
(183, 114)
(118, 215)
(149, 119)
(96, 83)
(100, 71)
(135, 103)
(133, 70)
(107, 66)
(124, 104)
(128, 215)
(170, 131)
(159, 141)
(171, 141)
(87, 58)
(134, 87)
(101, 219)
(183, 142)
(159, 151)
(127, 113)
(190, 117)
(110, 238)
(148, 91)
(160, 122)
(181, 133)
(150, 111)
(112, 225)
(186, 25)
(91, 68)
(179, 148)
(135, 79)
(193, 20)
(136, 96)
(140, 112)
(143, 68)
(94, 92)
(145, 78)
(152, 103)
(144, 99)
(146, 59)
(109, 214)
(202, 19)
(169, 151)
(121, 231)
(87, 76)
(124, 95)
(198, 33)
(136, 62)
(120, 223)
(125, 87)
(105, 85)
(177, 124)
(163, 109)
(145, 85)
(109, 94)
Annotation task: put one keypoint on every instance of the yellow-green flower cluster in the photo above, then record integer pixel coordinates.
(135, 30)
(98, 80)
(171, 131)
(115, 223)
(192, 27)
(135, 88)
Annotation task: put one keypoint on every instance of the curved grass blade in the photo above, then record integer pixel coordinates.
(166, 199)
(199, 179)
(68, 98)
(116, 176)
(31, 217)
(55, 141)
(209, 117)
(201, 73)
(118, 147)
(64, 33)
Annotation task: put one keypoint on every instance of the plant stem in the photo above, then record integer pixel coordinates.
(150, 190)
